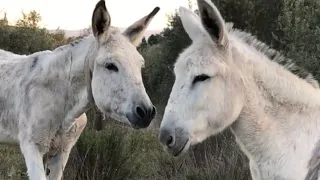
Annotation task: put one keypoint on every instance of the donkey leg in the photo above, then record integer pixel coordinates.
(33, 159)
(56, 164)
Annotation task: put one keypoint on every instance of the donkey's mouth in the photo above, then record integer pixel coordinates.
(183, 148)
(137, 122)
(120, 117)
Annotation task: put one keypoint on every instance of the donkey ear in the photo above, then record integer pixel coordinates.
(100, 20)
(135, 32)
(191, 23)
(212, 21)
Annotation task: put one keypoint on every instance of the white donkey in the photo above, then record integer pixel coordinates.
(227, 78)
(66, 141)
(43, 96)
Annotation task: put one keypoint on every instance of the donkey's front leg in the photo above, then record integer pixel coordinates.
(33, 159)
(57, 163)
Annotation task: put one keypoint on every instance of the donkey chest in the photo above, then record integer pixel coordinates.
(282, 167)
(276, 158)
(62, 139)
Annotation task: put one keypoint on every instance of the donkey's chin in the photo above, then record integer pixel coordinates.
(184, 149)
(118, 117)
(122, 118)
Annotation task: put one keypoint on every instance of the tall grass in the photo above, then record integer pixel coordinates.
(121, 153)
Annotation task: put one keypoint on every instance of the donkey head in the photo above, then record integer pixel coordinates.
(116, 82)
(208, 93)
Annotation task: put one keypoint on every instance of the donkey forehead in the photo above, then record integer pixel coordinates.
(198, 58)
(120, 49)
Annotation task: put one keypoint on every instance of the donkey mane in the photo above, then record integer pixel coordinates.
(113, 30)
(71, 44)
(273, 55)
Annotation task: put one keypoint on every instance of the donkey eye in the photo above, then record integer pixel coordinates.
(200, 78)
(111, 67)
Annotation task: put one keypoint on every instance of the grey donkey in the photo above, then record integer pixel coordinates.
(43, 96)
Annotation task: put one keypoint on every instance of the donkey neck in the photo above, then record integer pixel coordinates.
(272, 91)
(272, 82)
(281, 110)
(69, 61)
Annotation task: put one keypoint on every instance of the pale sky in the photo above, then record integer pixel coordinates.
(76, 14)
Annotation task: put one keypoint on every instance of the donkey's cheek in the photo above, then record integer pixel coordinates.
(199, 125)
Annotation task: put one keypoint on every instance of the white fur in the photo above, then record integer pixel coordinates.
(44, 95)
(273, 113)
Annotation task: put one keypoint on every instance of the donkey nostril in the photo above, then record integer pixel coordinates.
(47, 171)
(141, 113)
(167, 138)
(169, 141)
(153, 112)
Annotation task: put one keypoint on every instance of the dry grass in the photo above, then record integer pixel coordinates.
(12, 163)
(120, 153)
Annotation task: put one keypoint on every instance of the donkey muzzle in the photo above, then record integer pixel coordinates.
(141, 115)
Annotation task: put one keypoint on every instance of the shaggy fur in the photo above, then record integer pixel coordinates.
(273, 55)
(43, 96)
(228, 79)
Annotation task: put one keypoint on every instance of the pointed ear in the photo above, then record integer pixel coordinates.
(213, 22)
(101, 21)
(135, 32)
(191, 23)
